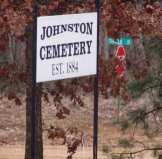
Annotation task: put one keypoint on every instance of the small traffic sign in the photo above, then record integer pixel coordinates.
(121, 41)
(120, 70)
(121, 53)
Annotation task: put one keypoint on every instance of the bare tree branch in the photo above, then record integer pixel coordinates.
(139, 151)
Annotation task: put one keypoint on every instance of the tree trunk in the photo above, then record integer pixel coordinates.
(38, 115)
(103, 49)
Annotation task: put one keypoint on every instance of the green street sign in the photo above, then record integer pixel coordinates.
(122, 41)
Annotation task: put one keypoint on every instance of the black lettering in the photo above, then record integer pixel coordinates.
(89, 28)
(49, 31)
(76, 27)
(82, 48)
(89, 43)
(63, 28)
(76, 50)
(70, 27)
(82, 28)
(55, 30)
(42, 56)
(56, 51)
(64, 52)
(43, 34)
(70, 45)
(48, 48)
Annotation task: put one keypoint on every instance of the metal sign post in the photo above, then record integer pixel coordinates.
(33, 100)
(95, 120)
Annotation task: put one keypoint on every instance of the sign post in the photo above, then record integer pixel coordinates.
(33, 97)
(95, 121)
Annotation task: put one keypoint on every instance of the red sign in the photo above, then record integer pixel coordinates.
(120, 70)
(120, 53)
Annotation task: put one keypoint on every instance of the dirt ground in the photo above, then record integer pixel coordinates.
(12, 129)
(50, 152)
(59, 152)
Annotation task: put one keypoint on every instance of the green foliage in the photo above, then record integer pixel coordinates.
(3, 85)
(3, 58)
(124, 124)
(153, 45)
(139, 116)
(161, 66)
(137, 87)
(125, 143)
(116, 157)
(105, 149)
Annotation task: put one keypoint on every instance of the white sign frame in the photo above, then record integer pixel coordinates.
(66, 46)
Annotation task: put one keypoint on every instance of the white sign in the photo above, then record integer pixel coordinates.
(66, 46)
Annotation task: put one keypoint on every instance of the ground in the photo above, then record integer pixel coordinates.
(50, 152)
(12, 129)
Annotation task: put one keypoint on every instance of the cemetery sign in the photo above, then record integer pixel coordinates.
(66, 46)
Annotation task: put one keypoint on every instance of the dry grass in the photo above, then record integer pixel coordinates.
(50, 152)
(12, 128)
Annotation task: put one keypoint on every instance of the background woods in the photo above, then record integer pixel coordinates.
(118, 19)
